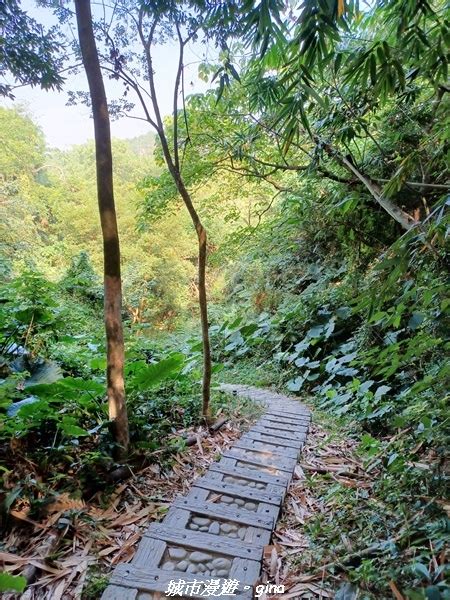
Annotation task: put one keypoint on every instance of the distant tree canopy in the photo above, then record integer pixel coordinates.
(23, 145)
(48, 216)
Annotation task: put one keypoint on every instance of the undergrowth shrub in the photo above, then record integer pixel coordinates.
(365, 340)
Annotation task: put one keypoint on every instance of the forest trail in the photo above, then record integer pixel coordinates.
(219, 530)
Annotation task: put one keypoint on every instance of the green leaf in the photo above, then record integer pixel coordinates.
(315, 332)
(235, 323)
(415, 320)
(343, 312)
(392, 458)
(301, 346)
(98, 364)
(312, 92)
(338, 61)
(12, 583)
(421, 570)
(381, 391)
(313, 364)
(11, 498)
(294, 385)
(233, 72)
(329, 328)
(70, 429)
(301, 361)
(365, 386)
(152, 375)
(247, 330)
(433, 592)
(400, 73)
(373, 69)
(68, 386)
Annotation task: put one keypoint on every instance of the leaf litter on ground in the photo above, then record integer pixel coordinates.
(290, 560)
(106, 530)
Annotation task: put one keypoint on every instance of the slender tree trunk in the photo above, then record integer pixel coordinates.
(108, 220)
(203, 302)
(173, 164)
(202, 296)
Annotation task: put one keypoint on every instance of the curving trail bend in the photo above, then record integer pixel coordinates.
(211, 541)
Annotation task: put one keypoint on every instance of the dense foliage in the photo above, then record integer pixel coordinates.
(29, 55)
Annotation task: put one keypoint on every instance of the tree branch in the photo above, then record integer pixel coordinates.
(176, 90)
(402, 217)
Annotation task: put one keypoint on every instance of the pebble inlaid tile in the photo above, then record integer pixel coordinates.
(177, 558)
(217, 527)
(254, 467)
(239, 481)
(215, 534)
(232, 501)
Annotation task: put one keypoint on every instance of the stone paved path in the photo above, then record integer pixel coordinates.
(219, 530)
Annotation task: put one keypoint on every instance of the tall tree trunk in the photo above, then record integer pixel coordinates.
(203, 301)
(202, 296)
(108, 220)
(173, 164)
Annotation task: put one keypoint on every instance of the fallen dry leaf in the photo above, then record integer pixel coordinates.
(104, 535)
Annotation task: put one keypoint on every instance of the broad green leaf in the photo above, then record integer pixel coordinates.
(313, 364)
(71, 429)
(381, 391)
(301, 346)
(315, 332)
(12, 583)
(153, 375)
(415, 321)
(249, 329)
(365, 386)
(296, 384)
(301, 361)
